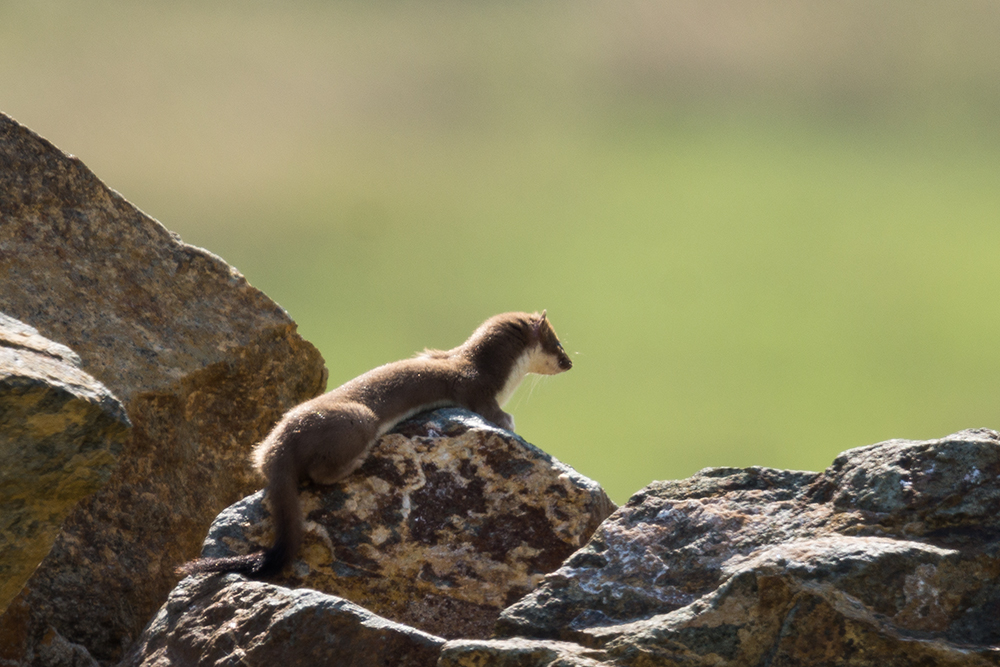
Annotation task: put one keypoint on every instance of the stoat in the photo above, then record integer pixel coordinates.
(328, 437)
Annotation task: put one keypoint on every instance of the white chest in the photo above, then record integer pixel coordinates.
(517, 372)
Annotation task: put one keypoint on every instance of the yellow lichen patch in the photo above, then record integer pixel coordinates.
(316, 555)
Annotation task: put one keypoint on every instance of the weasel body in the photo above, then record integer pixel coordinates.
(328, 437)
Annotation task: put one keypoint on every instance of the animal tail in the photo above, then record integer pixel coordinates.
(247, 564)
(286, 516)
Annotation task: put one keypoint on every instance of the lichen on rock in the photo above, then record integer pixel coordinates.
(448, 521)
(889, 557)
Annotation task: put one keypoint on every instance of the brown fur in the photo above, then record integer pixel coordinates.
(328, 437)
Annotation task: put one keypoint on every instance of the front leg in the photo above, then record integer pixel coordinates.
(493, 413)
(504, 420)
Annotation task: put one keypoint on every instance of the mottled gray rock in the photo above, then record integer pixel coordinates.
(203, 362)
(60, 435)
(814, 602)
(448, 521)
(227, 620)
(889, 557)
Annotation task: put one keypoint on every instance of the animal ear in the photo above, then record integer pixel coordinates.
(536, 322)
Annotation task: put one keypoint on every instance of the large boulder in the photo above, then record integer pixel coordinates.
(231, 621)
(203, 362)
(448, 521)
(889, 557)
(61, 433)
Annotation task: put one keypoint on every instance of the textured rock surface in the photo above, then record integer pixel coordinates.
(60, 435)
(203, 362)
(448, 521)
(231, 621)
(889, 557)
(517, 653)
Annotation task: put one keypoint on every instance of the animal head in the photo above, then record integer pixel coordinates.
(549, 357)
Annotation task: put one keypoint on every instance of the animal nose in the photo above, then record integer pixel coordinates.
(565, 363)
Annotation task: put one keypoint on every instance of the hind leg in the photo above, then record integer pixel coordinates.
(339, 444)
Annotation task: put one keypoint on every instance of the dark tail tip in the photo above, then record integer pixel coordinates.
(258, 565)
(272, 561)
(247, 564)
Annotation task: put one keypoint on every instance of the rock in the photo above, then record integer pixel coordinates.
(517, 653)
(448, 521)
(889, 557)
(227, 620)
(203, 362)
(62, 432)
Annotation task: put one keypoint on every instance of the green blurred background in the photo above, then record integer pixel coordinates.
(766, 231)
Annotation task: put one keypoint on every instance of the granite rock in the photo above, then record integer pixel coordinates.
(889, 557)
(203, 363)
(448, 521)
(227, 620)
(61, 432)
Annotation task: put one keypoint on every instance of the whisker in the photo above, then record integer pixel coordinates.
(534, 383)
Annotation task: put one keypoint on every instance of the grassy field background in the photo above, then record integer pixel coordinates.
(766, 231)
